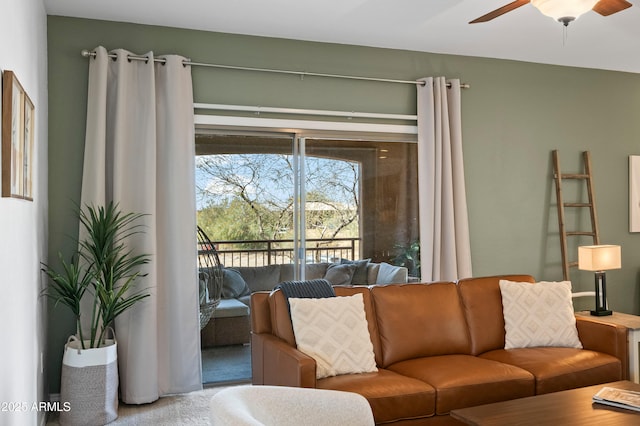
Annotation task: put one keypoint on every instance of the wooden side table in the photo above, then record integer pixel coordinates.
(632, 322)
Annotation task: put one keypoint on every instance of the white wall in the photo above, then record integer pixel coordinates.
(23, 225)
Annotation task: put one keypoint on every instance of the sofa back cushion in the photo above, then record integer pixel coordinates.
(312, 271)
(417, 320)
(482, 302)
(369, 313)
(260, 278)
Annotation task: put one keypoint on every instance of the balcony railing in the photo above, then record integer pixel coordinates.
(270, 252)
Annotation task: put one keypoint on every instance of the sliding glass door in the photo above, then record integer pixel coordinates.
(285, 198)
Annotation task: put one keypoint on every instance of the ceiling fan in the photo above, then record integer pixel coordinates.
(563, 11)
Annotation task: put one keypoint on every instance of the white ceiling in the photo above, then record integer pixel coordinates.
(439, 26)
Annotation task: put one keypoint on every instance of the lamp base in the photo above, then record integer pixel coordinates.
(601, 313)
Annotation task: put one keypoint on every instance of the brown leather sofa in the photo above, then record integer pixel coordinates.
(438, 347)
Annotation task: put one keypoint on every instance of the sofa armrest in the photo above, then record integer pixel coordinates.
(606, 338)
(275, 362)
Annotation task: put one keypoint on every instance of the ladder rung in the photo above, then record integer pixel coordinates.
(575, 176)
(585, 176)
(577, 204)
(581, 233)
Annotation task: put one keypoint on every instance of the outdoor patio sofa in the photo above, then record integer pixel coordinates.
(436, 348)
(230, 324)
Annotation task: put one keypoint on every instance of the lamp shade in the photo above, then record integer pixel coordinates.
(599, 258)
(564, 10)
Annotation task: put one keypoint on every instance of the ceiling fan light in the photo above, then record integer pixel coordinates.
(564, 11)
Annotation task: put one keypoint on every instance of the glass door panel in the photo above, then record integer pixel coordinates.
(245, 197)
(361, 201)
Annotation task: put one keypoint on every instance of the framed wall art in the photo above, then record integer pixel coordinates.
(17, 139)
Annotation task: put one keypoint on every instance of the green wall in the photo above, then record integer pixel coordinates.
(514, 115)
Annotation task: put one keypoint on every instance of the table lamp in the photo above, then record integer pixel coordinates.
(599, 258)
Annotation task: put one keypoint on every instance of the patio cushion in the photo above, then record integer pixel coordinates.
(233, 285)
(230, 308)
(338, 274)
(260, 278)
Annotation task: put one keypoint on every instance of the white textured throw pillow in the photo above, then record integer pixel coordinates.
(539, 314)
(333, 331)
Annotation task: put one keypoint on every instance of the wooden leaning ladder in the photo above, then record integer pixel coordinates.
(587, 176)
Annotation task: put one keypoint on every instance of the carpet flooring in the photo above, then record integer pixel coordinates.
(191, 409)
(221, 366)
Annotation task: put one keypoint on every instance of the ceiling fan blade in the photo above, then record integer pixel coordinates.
(508, 8)
(609, 7)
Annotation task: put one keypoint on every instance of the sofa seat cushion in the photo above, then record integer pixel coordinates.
(557, 369)
(245, 299)
(464, 380)
(230, 308)
(392, 397)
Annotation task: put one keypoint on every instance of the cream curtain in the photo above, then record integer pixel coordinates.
(445, 252)
(140, 153)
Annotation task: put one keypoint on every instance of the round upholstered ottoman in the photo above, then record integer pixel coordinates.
(282, 406)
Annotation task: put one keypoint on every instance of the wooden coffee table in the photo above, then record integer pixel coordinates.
(571, 407)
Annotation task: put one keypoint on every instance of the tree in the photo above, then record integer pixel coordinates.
(229, 220)
(249, 196)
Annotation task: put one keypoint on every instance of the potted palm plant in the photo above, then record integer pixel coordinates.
(104, 272)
